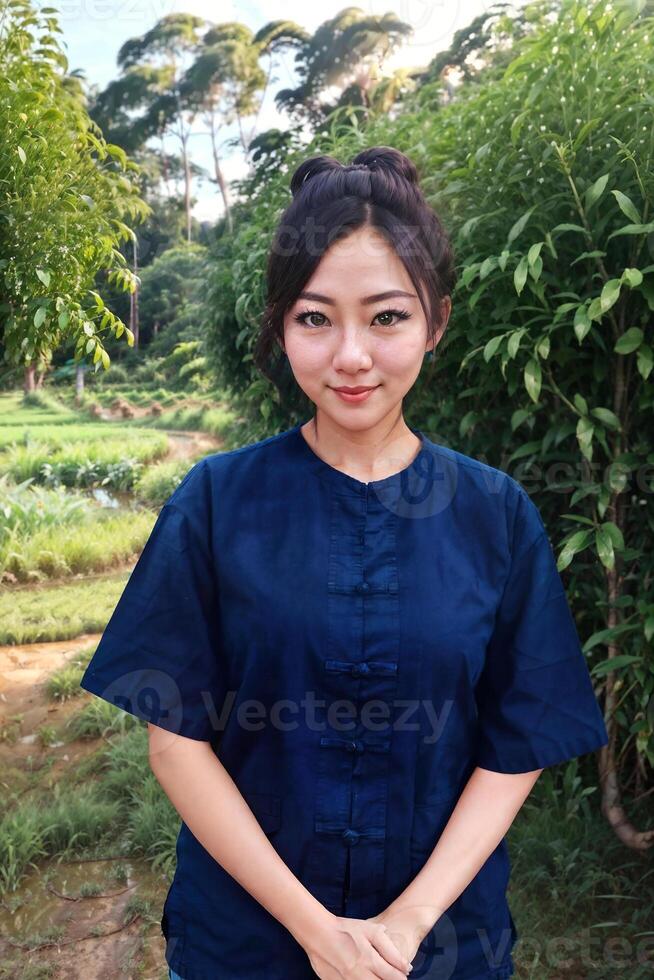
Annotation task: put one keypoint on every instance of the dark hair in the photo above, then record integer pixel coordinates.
(379, 189)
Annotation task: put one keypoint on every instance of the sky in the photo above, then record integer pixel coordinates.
(94, 31)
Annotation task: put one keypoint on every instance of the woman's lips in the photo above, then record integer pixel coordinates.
(360, 396)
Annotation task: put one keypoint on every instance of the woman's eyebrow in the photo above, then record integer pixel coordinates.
(365, 301)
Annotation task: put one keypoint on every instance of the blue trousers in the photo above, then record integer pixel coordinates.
(173, 976)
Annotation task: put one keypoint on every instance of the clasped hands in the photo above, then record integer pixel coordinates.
(378, 948)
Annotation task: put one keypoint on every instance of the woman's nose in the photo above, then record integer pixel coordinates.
(351, 351)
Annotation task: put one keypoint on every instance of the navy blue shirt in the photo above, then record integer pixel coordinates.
(352, 651)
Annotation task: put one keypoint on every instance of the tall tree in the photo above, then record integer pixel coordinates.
(228, 85)
(344, 53)
(154, 66)
(64, 196)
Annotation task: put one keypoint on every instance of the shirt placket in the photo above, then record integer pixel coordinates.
(360, 669)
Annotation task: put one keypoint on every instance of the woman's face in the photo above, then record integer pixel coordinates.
(336, 335)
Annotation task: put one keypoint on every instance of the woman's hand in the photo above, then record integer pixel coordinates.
(355, 949)
(404, 928)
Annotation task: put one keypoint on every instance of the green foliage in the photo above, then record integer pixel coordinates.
(543, 174)
(157, 483)
(64, 196)
(32, 615)
(171, 289)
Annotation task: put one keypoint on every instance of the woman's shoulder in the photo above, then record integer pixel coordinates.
(251, 453)
(232, 473)
(475, 476)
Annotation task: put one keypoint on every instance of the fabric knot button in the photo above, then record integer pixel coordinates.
(350, 836)
(360, 670)
(363, 587)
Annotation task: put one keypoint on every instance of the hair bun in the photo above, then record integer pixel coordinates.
(377, 158)
(389, 159)
(311, 167)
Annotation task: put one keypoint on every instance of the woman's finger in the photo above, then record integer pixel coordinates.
(392, 951)
(384, 970)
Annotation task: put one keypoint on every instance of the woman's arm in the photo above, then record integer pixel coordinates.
(211, 805)
(483, 814)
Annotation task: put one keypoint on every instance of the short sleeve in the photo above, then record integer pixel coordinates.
(535, 699)
(159, 655)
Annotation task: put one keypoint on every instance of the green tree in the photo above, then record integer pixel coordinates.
(65, 195)
(344, 52)
(543, 173)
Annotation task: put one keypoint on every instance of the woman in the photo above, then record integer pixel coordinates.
(351, 644)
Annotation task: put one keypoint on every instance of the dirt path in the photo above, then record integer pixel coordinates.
(100, 938)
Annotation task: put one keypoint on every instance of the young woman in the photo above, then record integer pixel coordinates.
(351, 644)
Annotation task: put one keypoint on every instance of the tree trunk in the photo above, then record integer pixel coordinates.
(134, 299)
(28, 378)
(220, 178)
(79, 383)
(187, 187)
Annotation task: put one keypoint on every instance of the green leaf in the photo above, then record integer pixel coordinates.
(21, 154)
(40, 316)
(491, 346)
(632, 277)
(514, 341)
(487, 266)
(627, 206)
(566, 226)
(582, 323)
(534, 252)
(64, 319)
(614, 663)
(630, 340)
(533, 378)
(615, 534)
(645, 361)
(585, 432)
(580, 403)
(469, 273)
(573, 545)
(520, 224)
(604, 545)
(543, 347)
(519, 416)
(610, 294)
(595, 191)
(633, 230)
(587, 128)
(520, 274)
(44, 276)
(606, 416)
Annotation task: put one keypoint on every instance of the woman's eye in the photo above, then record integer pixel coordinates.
(304, 317)
(301, 318)
(401, 314)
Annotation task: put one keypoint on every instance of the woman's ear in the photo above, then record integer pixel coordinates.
(446, 309)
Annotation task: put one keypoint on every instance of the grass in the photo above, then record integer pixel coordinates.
(111, 539)
(39, 614)
(156, 484)
(123, 807)
(216, 420)
(578, 896)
